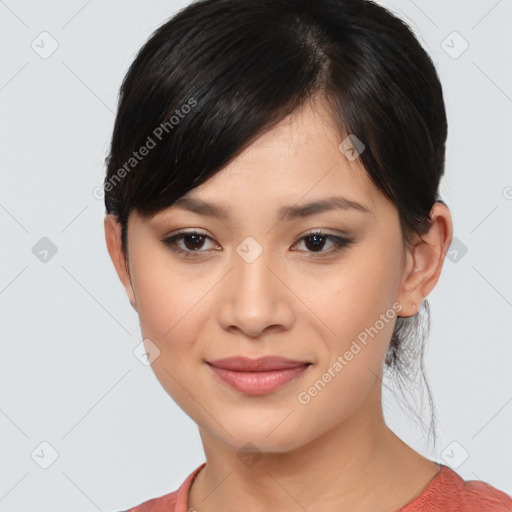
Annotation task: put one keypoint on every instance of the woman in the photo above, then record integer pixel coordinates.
(273, 214)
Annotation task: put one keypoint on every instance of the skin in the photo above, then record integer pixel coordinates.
(296, 301)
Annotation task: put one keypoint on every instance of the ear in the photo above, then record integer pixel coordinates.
(424, 260)
(114, 246)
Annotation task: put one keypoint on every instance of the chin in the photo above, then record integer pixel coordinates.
(251, 435)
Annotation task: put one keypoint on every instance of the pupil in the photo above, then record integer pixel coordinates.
(318, 240)
(195, 243)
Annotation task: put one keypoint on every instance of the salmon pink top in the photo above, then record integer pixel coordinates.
(446, 492)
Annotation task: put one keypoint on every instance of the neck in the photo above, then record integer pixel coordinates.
(359, 464)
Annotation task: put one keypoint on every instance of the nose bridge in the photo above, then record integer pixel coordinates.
(252, 275)
(254, 298)
(252, 278)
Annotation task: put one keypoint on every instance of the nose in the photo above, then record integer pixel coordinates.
(256, 298)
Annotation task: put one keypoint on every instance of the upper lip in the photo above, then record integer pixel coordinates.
(245, 364)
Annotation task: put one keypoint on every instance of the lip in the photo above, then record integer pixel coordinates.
(257, 376)
(246, 364)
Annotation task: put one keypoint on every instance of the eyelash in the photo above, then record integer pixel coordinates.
(339, 243)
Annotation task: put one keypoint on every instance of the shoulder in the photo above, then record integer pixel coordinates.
(175, 501)
(448, 492)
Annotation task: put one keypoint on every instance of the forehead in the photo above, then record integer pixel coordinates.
(296, 162)
(299, 157)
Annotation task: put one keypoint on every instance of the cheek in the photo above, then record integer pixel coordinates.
(348, 375)
(356, 302)
(162, 295)
(353, 294)
(173, 306)
(168, 304)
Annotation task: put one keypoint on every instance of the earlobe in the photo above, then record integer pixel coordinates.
(424, 260)
(114, 246)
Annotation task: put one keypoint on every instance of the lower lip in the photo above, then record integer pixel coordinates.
(258, 383)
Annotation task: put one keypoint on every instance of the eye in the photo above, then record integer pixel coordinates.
(192, 243)
(187, 242)
(315, 242)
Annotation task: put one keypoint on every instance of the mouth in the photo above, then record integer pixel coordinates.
(257, 376)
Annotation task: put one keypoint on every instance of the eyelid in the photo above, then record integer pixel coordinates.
(188, 231)
(324, 232)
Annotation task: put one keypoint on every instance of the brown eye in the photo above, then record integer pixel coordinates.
(193, 241)
(187, 242)
(315, 242)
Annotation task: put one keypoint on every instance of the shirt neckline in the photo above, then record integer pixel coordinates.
(183, 491)
(428, 489)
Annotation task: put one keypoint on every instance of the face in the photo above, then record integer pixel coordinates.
(257, 281)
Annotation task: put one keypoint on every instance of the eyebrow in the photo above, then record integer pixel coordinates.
(285, 212)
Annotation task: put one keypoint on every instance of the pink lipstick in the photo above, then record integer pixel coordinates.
(257, 376)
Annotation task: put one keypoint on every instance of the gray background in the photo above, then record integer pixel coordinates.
(68, 373)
